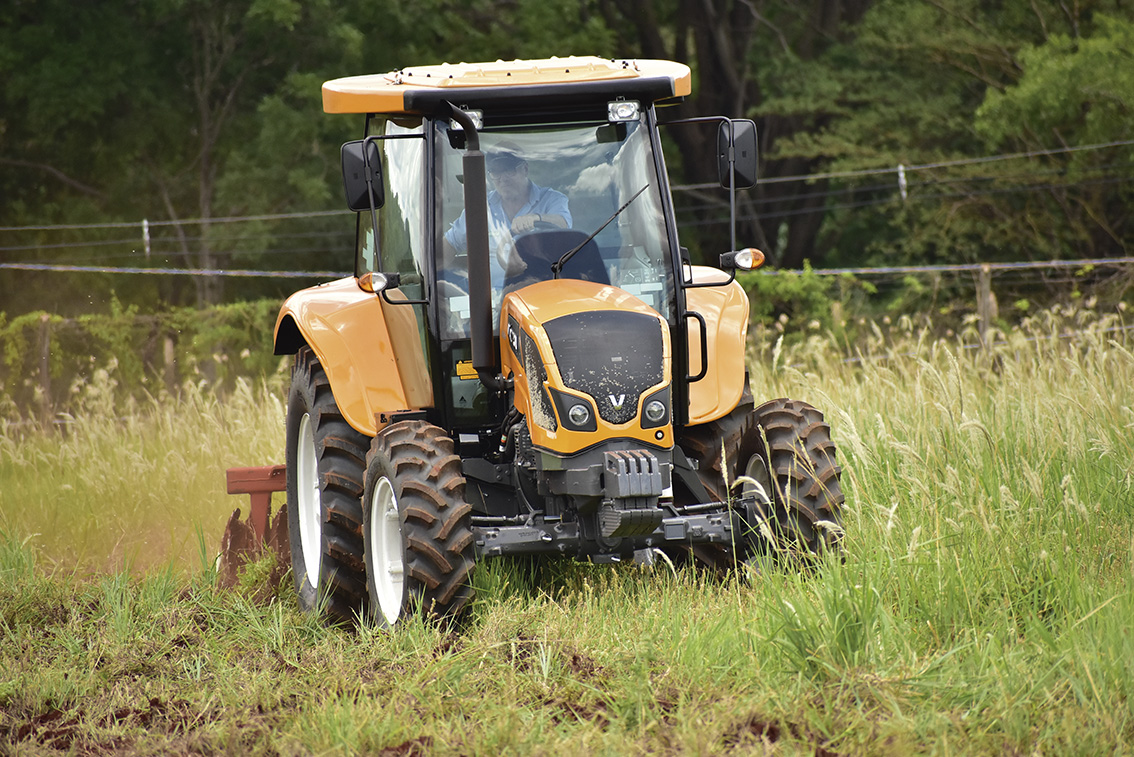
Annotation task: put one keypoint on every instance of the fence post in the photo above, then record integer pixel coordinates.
(170, 368)
(986, 302)
(47, 406)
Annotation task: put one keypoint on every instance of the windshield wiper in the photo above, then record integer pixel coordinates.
(557, 266)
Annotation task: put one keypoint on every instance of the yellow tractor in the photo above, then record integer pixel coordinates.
(525, 362)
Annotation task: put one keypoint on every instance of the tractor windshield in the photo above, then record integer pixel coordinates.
(550, 187)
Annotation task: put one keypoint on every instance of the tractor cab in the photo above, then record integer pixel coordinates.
(578, 201)
(575, 188)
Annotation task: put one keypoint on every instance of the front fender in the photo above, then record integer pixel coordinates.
(725, 309)
(370, 350)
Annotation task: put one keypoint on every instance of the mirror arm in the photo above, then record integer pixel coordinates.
(732, 184)
(370, 194)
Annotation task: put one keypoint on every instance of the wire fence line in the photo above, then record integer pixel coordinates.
(209, 272)
(876, 271)
(696, 191)
(898, 170)
(164, 249)
(178, 222)
(962, 267)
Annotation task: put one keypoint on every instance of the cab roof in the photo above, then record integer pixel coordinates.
(424, 89)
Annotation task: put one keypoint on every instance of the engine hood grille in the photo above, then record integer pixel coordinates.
(611, 355)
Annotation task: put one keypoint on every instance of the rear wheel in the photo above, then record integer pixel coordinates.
(325, 459)
(417, 527)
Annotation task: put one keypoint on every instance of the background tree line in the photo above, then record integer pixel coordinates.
(201, 110)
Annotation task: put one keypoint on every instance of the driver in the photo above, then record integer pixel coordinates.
(515, 206)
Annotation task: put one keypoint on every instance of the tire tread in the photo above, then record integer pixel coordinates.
(340, 453)
(436, 519)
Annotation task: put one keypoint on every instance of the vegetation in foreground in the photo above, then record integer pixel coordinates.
(135, 483)
(983, 605)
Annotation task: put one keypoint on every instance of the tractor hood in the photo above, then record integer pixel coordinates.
(587, 360)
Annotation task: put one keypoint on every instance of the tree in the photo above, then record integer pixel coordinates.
(735, 48)
(235, 63)
(905, 90)
(1073, 91)
(162, 109)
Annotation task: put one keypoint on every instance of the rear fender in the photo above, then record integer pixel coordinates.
(370, 350)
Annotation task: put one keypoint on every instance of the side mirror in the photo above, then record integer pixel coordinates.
(744, 153)
(362, 175)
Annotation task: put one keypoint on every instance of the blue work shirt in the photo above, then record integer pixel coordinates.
(541, 201)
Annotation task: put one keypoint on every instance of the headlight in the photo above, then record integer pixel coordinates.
(575, 413)
(622, 110)
(655, 409)
(579, 415)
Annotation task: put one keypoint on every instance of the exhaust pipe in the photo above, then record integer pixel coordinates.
(476, 237)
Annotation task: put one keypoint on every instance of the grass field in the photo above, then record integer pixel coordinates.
(985, 604)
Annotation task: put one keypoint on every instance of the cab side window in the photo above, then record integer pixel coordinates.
(401, 221)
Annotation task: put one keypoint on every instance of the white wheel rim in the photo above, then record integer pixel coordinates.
(758, 472)
(309, 500)
(388, 554)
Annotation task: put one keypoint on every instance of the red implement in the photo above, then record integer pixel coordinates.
(258, 483)
(245, 542)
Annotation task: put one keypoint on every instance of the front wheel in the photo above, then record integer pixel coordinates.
(786, 463)
(416, 525)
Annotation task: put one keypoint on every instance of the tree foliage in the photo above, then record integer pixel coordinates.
(1073, 91)
(189, 111)
(921, 84)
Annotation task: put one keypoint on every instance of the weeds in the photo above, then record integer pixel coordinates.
(982, 607)
(132, 486)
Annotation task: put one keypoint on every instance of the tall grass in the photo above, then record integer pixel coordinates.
(983, 606)
(991, 548)
(131, 484)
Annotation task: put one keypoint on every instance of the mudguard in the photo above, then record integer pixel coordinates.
(725, 310)
(370, 350)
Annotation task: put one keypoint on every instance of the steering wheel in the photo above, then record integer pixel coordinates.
(540, 250)
(527, 246)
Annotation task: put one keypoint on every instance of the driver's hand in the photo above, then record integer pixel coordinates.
(520, 224)
(509, 258)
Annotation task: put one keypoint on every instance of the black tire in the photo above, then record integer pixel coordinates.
(785, 445)
(787, 438)
(327, 456)
(704, 445)
(428, 547)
